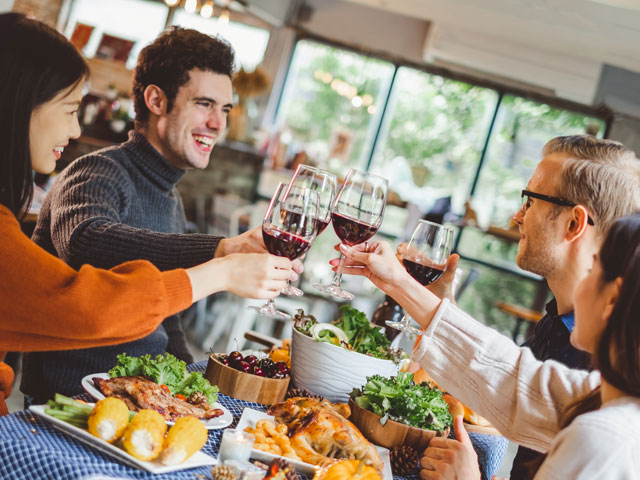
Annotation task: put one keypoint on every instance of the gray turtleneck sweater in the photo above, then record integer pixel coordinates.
(106, 208)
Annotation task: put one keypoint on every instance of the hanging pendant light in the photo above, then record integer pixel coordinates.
(223, 19)
(172, 3)
(207, 10)
(191, 6)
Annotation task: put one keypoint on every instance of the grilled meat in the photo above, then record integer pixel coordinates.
(142, 393)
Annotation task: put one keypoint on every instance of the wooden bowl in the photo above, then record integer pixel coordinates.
(245, 386)
(391, 434)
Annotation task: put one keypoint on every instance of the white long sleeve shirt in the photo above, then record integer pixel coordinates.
(524, 399)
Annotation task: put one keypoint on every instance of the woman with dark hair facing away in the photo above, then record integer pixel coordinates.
(587, 423)
(44, 303)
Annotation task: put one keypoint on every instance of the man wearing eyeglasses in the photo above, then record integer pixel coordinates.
(578, 189)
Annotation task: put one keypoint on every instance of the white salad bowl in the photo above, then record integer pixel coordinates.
(333, 371)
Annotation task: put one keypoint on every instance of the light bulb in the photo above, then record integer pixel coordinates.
(223, 19)
(207, 10)
(171, 3)
(191, 6)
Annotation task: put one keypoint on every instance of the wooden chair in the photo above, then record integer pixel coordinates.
(521, 314)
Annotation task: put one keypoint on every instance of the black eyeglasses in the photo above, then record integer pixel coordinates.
(550, 199)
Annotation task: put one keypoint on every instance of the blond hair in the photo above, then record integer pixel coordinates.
(602, 175)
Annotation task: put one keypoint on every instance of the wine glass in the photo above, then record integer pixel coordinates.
(425, 259)
(356, 217)
(288, 229)
(324, 183)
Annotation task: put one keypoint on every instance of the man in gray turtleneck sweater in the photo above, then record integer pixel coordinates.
(121, 204)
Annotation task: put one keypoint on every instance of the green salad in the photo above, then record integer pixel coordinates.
(352, 330)
(401, 399)
(166, 370)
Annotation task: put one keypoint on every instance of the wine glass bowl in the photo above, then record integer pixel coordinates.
(425, 259)
(357, 214)
(288, 230)
(324, 183)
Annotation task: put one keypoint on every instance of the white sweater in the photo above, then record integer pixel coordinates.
(524, 398)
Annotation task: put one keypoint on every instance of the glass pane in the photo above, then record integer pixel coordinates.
(249, 42)
(432, 138)
(331, 106)
(119, 18)
(521, 130)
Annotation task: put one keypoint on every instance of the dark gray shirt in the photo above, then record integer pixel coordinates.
(106, 208)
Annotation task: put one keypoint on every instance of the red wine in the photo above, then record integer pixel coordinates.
(294, 222)
(284, 244)
(321, 225)
(352, 231)
(422, 273)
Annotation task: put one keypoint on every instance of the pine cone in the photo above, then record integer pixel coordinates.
(223, 472)
(404, 460)
(279, 468)
(301, 392)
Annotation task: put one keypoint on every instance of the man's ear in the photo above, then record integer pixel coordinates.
(155, 100)
(578, 223)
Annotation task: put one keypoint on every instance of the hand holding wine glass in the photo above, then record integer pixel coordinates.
(324, 183)
(357, 214)
(288, 229)
(425, 259)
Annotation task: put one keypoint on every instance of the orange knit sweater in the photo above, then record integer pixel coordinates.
(46, 305)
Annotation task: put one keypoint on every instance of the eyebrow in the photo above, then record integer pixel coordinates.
(73, 102)
(209, 99)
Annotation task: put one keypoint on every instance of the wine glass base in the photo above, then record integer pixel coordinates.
(404, 327)
(334, 290)
(291, 290)
(271, 312)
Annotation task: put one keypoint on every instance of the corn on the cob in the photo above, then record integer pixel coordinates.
(108, 419)
(185, 438)
(144, 436)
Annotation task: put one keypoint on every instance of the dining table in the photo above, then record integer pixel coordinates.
(31, 448)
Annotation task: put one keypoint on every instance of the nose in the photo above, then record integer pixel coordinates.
(75, 128)
(519, 216)
(217, 120)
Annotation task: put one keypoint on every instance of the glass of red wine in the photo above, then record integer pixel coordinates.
(324, 183)
(425, 259)
(356, 217)
(288, 229)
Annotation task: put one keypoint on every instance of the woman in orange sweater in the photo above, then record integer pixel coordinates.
(45, 304)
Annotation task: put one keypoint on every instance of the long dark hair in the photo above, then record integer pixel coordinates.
(618, 353)
(37, 64)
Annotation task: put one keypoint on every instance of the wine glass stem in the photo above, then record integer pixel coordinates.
(337, 278)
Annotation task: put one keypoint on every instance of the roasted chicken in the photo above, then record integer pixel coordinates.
(320, 433)
(141, 393)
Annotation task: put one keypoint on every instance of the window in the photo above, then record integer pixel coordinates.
(249, 42)
(119, 18)
(432, 138)
(332, 105)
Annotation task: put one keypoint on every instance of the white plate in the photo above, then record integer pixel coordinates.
(198, 459)
(222, 421)
(250, 417)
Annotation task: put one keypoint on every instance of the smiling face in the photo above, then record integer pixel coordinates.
(187, 134)
(541, 233)
(52, 125)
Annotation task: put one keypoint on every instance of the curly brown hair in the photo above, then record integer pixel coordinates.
(168, 60)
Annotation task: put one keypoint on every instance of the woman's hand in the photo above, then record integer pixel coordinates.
(450, 459)
(257, 275)
(251, 241)
(375, 261)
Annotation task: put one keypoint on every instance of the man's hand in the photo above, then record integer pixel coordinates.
(251, 242)
(446, 459)
(443, 286)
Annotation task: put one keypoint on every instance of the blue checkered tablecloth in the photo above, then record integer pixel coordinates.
(30, 448)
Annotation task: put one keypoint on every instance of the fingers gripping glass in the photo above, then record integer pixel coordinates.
(356, 216)
(288, 229)
(425, 260)
(324, 183)
(548, 198)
